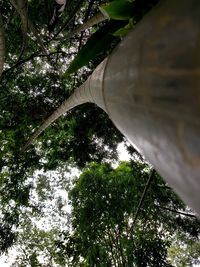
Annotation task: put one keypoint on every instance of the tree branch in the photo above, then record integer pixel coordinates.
(87, 13)
(21, 8)
(34, 55)
(176, 211)
(97, 18)
(68, 21)
(152, 173)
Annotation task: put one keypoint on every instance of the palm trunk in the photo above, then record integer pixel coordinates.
(150, 88)
(97, 18)
(2, 45)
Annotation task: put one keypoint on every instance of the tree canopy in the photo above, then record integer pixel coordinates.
(101, 229)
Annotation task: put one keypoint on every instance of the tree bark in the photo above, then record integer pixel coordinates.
(150, 88)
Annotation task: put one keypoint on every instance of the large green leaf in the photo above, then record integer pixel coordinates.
(96, 43)
(118, 9)
(124, 30)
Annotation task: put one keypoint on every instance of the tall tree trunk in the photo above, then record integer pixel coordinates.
(97, 18)
(2, 45)
(150, 88)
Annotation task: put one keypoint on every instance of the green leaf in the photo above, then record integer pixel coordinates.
(118, 9)
(96, 43)
(125, 30)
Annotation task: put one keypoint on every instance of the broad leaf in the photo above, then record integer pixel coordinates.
(96, 43)
(118, 9)
(125, 30)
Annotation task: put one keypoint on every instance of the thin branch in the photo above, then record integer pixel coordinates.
(22, 49)
(176, 211)
(97, 18)
(22, 61)
(37, 36)
(152, 173)
(21, 8)
(68, 21)
(87, 13)
(34, 55)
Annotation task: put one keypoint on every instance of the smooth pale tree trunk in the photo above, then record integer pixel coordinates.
(97, 18)
(150, 88)
(2, 45)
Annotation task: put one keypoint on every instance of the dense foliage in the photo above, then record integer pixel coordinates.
(101, 229)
